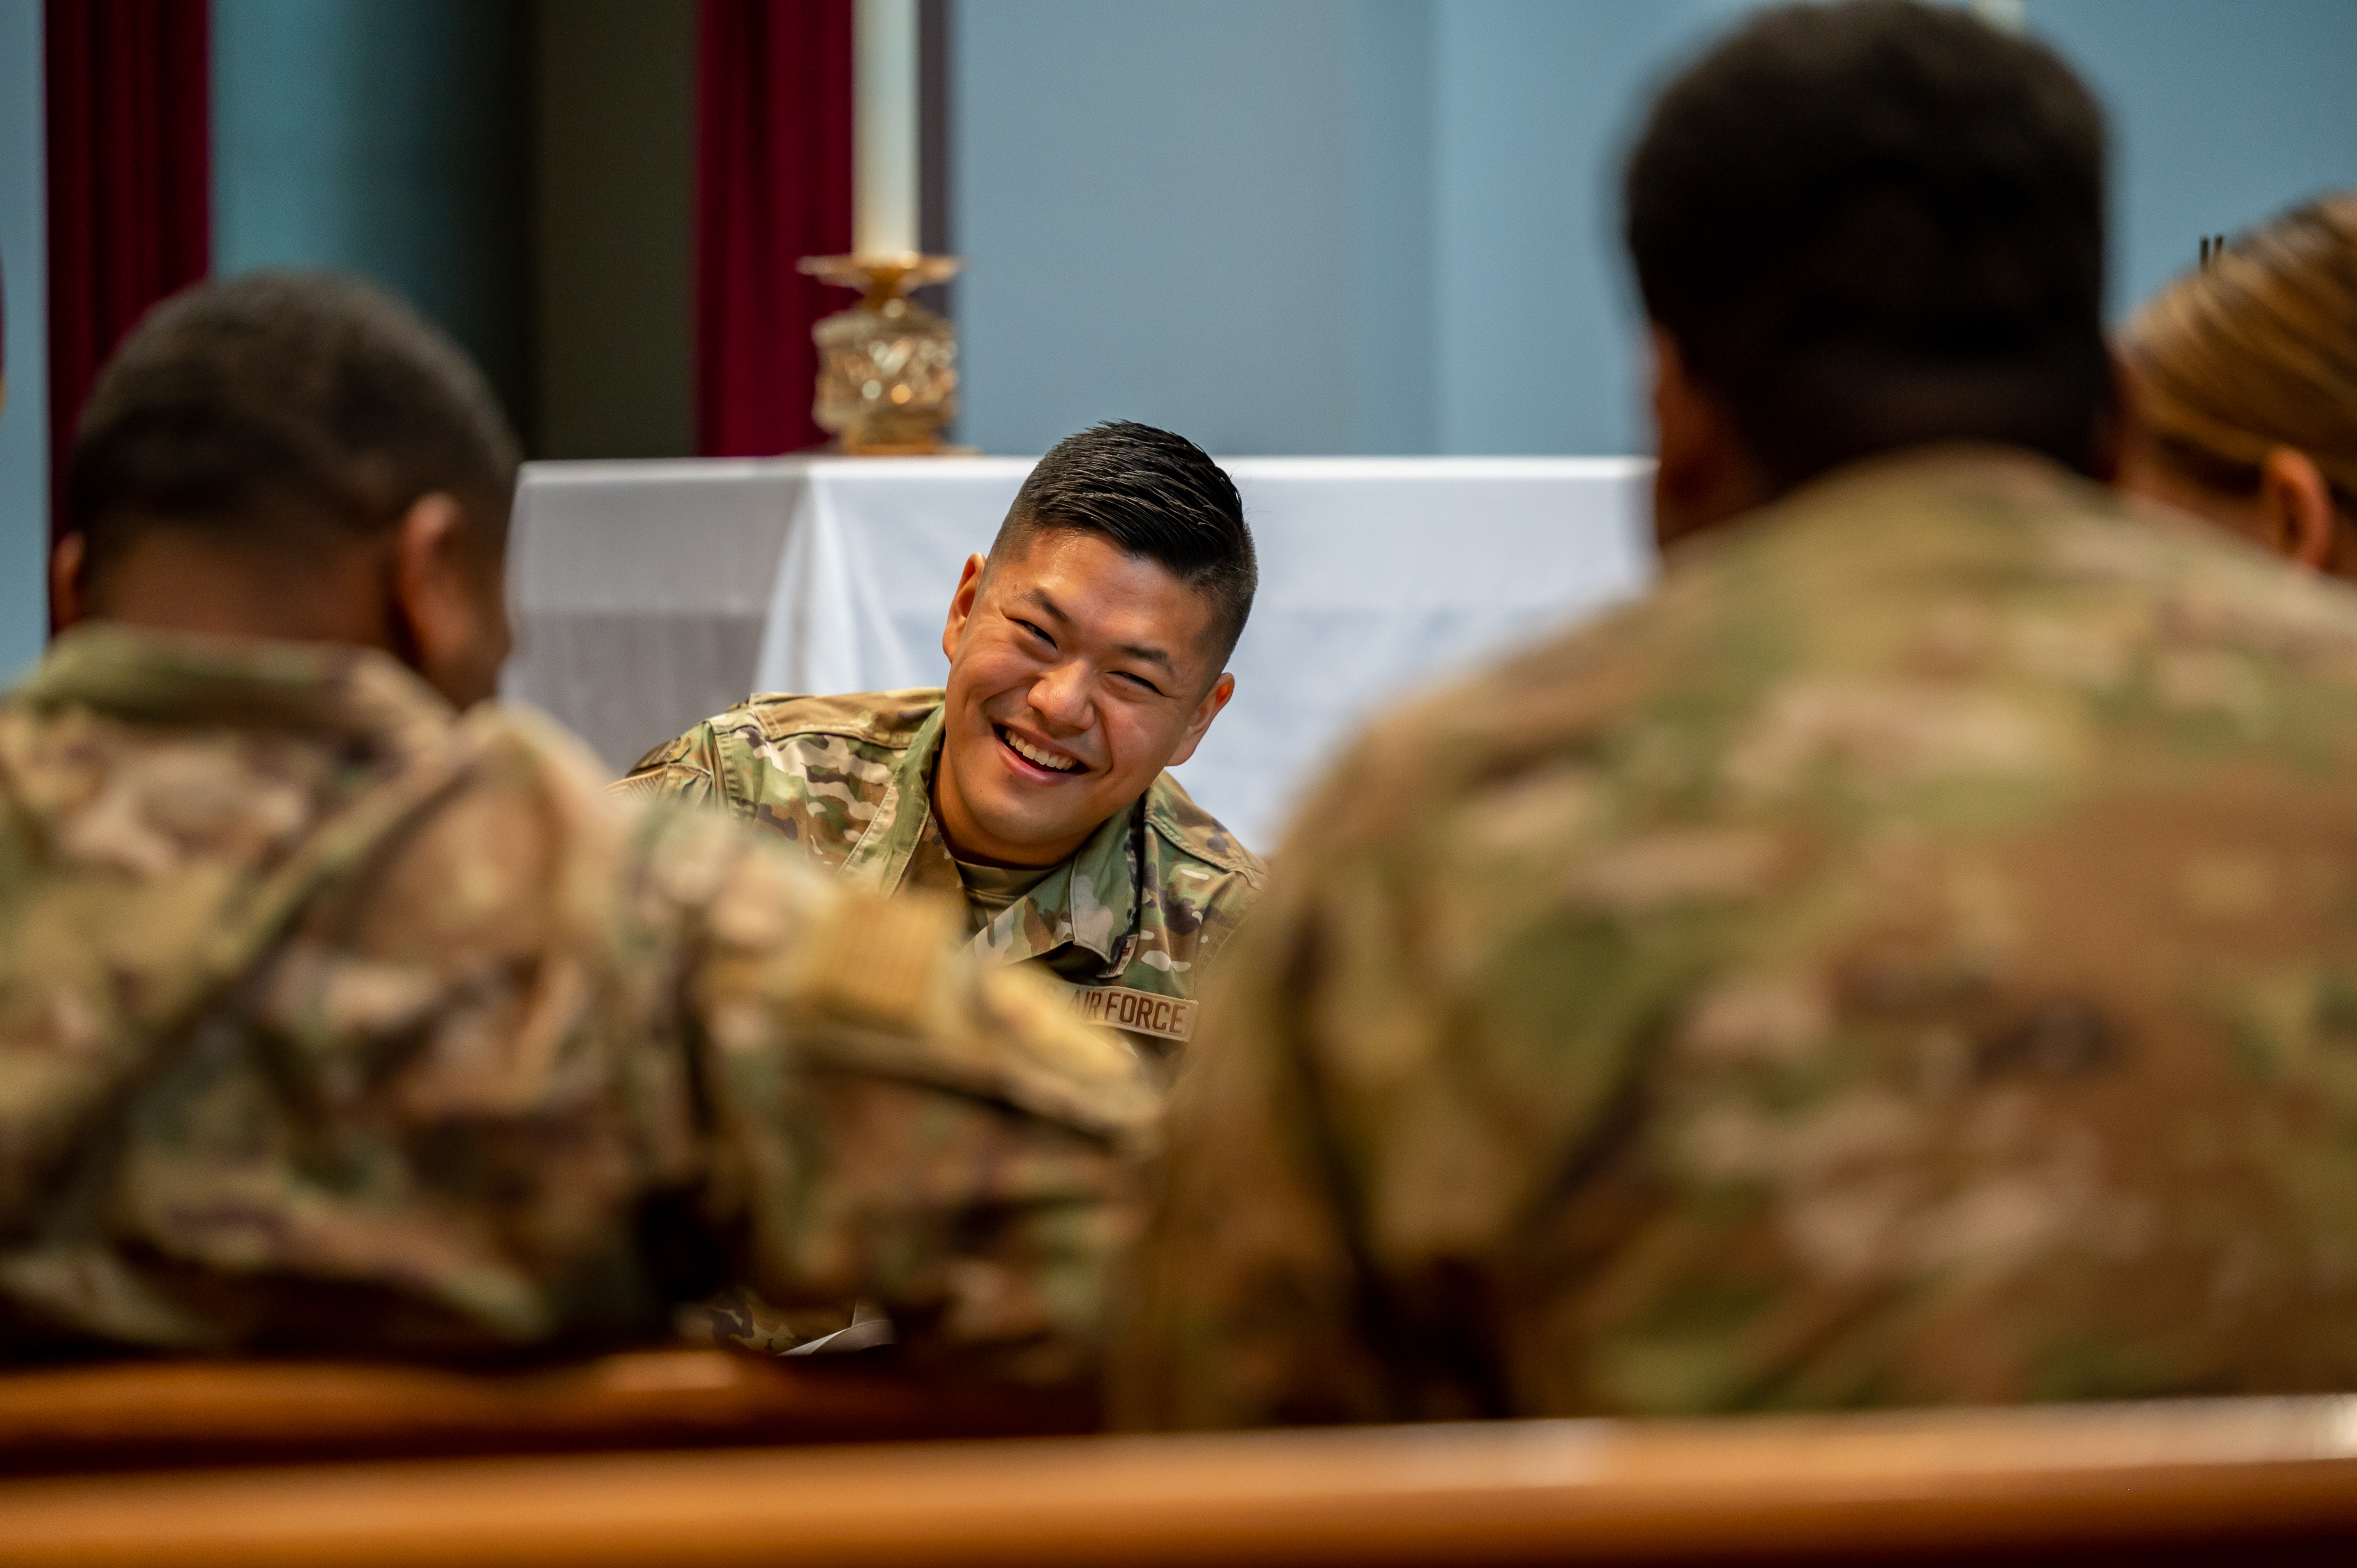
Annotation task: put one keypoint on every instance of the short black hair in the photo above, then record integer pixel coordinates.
(1153, 495)
(293, 410)
(1871, 225)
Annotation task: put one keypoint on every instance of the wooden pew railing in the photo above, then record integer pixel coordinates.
(2212, 1482)
(142, 1416)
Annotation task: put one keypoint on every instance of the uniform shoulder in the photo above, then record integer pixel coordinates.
(1172, 815)
(2206, 579)
(2021, 530)
(886, 719)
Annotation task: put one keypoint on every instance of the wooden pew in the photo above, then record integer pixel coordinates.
(135, 1414)
(2239, 1482)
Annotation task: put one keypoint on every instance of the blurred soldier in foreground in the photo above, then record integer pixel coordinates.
(2243, 375)
(1911, 957)
(333, 1019)
(1085, 656)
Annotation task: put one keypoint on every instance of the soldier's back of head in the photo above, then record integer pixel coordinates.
(297, 457)
(1857, 228)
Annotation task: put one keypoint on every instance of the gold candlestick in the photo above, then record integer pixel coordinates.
(886, 367)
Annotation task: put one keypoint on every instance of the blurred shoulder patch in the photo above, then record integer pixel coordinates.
(669, 752)
(1055, 1065)
(639, 787)
(874, 960)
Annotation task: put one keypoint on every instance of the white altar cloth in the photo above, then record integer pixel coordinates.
(651, 595)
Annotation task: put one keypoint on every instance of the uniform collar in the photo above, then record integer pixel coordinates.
(1964, 468)
(1091, 901)
(148, 676)
(2003, 480)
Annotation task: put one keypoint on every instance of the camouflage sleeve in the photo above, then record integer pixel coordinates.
(892, 1121)
(404, 1093)
(1241, 1308)
(1348, 1142)
(687, 768)
(1247, 1302)
(493, 1065)
(1234, 895)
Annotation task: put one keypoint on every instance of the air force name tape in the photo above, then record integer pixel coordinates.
(1140, 1012)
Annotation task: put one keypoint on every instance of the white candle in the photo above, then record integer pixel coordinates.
(884, 137)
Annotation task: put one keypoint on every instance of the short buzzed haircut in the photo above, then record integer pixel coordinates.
(1153, 495)
(292, 411)
(1873, 225)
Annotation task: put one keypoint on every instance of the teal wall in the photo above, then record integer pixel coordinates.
(521, 170)
(1531, 307)
(1156, 203)
(386, 137)
(24, 426)
(2224, 115)
(1388, 225)
(1277, 225)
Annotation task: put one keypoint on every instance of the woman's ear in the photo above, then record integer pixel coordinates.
(2297, 507)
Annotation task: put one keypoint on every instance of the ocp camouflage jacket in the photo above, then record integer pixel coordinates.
(1911, 957)
(332, 1020)
(1130, 922)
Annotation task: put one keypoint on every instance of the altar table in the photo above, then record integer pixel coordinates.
(653, 594)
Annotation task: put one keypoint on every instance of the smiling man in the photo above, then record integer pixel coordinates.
(1086, 655)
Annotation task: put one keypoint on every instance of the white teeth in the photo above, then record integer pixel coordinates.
(1053, 763)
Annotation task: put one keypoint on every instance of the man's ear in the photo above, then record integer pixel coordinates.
(69, 582)
(2107, 447)
(1205, 712)
(449, 618)
(2297, 507)
(962, 606)
(1705, 474)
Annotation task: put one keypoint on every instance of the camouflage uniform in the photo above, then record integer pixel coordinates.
(1128, 924)
(331, 1019)
(1908, 957)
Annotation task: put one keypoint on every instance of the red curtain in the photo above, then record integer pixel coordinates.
(774, 185)
(130, 137)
